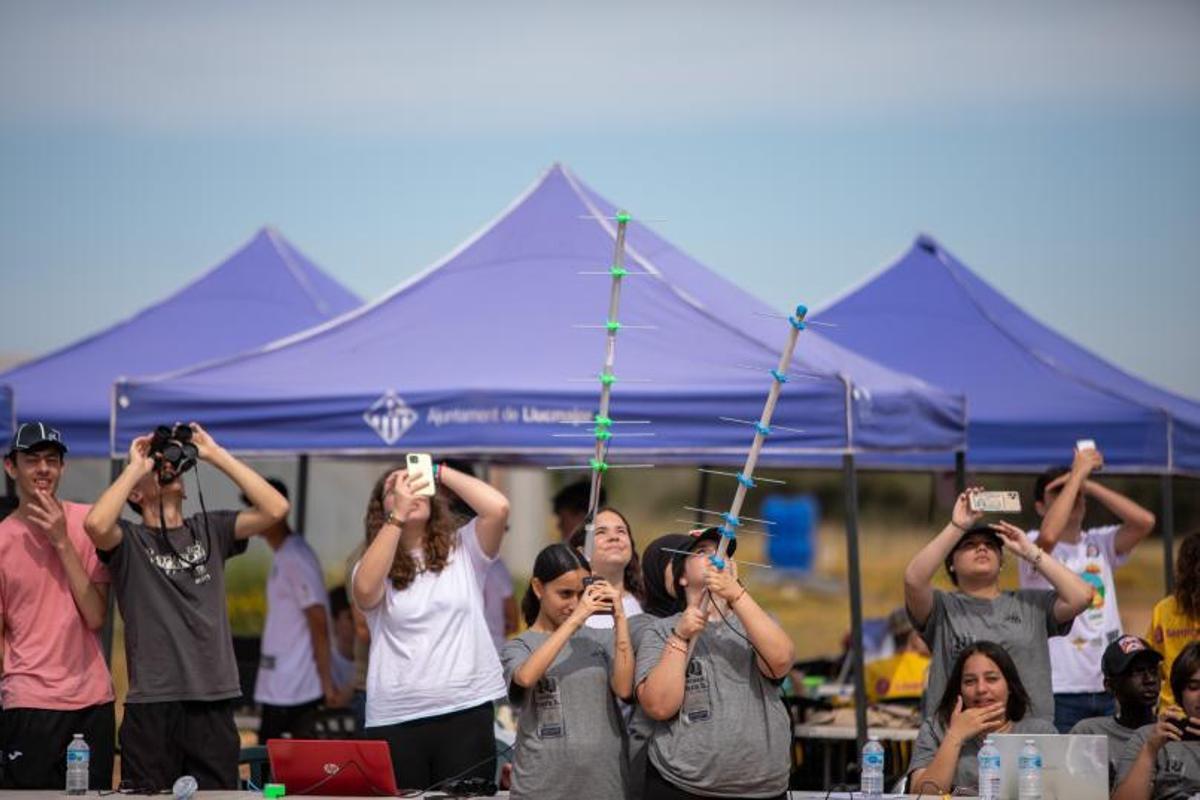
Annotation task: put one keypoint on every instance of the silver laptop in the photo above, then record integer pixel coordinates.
(1073, 767)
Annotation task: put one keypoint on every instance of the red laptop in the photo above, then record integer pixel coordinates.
(343, 767)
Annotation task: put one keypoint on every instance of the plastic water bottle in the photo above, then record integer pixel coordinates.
(872, 769)
(79, 755)
(989, 770)
(1029, 767)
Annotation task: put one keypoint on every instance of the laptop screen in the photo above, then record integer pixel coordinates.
(340, 767)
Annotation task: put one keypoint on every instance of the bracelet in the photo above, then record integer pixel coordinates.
(733, 602)
(677, 646)
(1034, 561)
(675, 633)
(956, 525)
(392, 519)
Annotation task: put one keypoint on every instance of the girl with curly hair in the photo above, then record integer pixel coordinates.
(433, 671)
(1175, 621)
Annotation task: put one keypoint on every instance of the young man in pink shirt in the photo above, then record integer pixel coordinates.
(54, 682)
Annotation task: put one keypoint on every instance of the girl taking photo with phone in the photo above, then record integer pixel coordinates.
(615, 559)
(433, 671)
(564, 679)
(1162, 761)
(978, 609)
(983, 695)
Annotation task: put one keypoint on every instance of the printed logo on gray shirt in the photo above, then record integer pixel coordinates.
(547, 699)
(696, 704)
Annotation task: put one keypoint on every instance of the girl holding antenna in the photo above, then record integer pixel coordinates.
(564, 679)
(711, 683)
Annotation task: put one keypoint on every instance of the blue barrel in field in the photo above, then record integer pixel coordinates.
(793, 541)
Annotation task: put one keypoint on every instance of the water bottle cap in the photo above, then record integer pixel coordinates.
(874, 737)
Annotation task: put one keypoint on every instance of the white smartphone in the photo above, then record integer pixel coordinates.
(996, 502)
(421, 464)
(1085, 444)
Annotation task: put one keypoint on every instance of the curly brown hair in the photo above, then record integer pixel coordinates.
(1187, 577)
(439, 533)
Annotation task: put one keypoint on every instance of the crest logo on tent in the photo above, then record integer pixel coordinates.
(390, 417)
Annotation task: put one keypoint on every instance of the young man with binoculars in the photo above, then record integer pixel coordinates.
(168, 574)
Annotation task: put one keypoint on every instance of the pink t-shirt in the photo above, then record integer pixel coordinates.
(51, 659)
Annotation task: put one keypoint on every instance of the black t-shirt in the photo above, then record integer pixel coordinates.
(178, 643)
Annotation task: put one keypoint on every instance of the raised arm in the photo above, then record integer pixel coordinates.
(101, 522)
(918, 591)
(1136, 521)
(1074, 593)
(368, 585)
(660, 694)
(489, 505)
(267, 506)
(46, 515)
(774, 647)
(621, 680)
(1068, 487)
(594, 599)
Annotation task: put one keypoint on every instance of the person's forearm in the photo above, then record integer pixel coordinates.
(374, 567)
(623, 660)
(101, 521)
(318, 633)
(774, 646)
(91, 602)
(1059, 513)
(1136, 522)
(489, 505)
(918, 593)
(939, 775)
(661, 693)
(260, 494)
(1139, 781)
(531, 671)
(1074, 593)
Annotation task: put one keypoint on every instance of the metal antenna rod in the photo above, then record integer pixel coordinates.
(761, 431)
(603, 418)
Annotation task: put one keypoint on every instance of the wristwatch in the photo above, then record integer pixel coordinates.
(392, 519)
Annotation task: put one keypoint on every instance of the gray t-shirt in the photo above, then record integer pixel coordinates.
(729, 709)
(178, 643)
(1176, 767)
(1021, 622)
(966, 772)
(640, 725)
(570, 734)
(1118, 736)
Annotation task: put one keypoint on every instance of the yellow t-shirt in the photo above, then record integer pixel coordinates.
(1170, 632)
(899, 677)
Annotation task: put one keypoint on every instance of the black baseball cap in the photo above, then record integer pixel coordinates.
(31, 435)
(709, 535)
(1121, 653)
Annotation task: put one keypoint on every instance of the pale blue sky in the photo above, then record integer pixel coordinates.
(795, 148)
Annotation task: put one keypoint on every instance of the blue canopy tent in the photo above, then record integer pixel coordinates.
(476, 355)
(1031, 392)
(265, 290)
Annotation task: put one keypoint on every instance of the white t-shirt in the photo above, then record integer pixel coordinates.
(1075, 658)
(628, 602)
(497, 587)
(287, 673)
(431, 652)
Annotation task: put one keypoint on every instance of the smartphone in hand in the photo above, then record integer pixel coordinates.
(996, 502)
(421, 465)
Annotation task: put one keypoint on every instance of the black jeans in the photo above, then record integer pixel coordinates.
(425, 752)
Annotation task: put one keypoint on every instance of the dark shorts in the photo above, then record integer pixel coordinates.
(33, 746)
(298, 721)
(428, 751)
(162, 741)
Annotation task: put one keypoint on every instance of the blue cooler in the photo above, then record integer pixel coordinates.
(792, 544)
